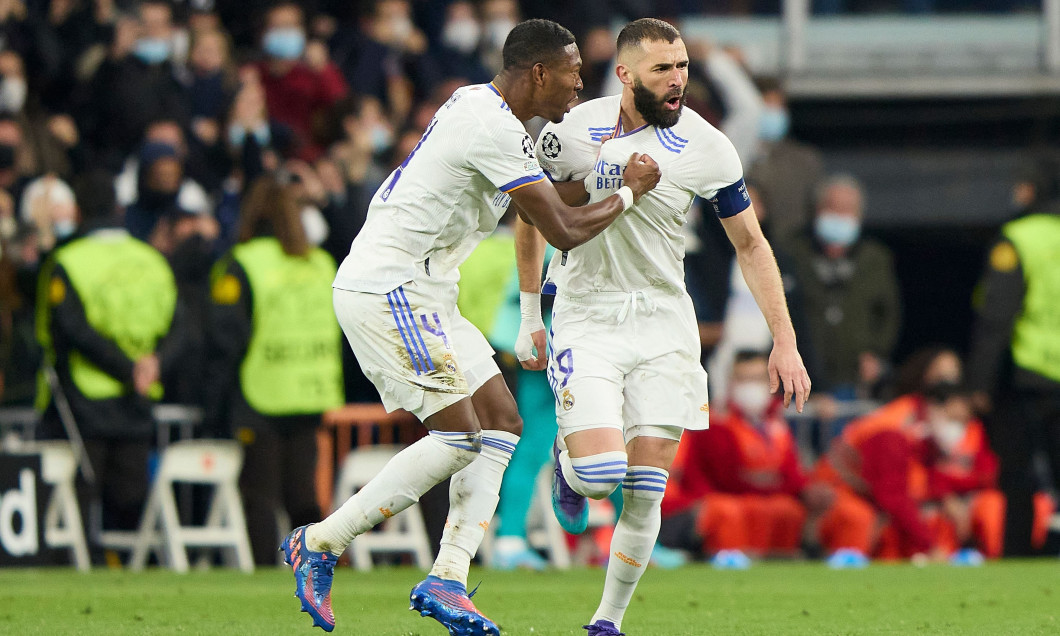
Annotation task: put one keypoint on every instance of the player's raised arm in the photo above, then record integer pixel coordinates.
(566, 227)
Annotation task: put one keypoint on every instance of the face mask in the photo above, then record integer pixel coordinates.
(497, 31)
(401, 28)
(12, 94)
(8, 227)
(381, 138)
(316, 227)
(64, 229)
(462, 35)
(151, 50)
(773, 124)
(285, 44)
(751, 398)
(948, 435)
(836, 229)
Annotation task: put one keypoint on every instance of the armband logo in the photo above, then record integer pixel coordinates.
(550, 145)
(528, 146)
(531, 166)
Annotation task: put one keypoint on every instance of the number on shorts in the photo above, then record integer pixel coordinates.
(436, 328)
(562, 365)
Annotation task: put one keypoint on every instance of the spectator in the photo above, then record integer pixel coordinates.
(299, 80)
(135, 86)
(1015, 356)
(212, 88)
(109, 323)
(191, 196)
(741, 477)
(274, 360)
(850, 292)
(786, 171)
(161, 173)
(461, 34)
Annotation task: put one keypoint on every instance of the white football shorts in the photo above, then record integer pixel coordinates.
(628, 361)
(414, 345)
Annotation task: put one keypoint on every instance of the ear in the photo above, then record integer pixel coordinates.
(625, 74)
(540, 74)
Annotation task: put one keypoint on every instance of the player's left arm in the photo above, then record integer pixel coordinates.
(530, 249)
(759, 268)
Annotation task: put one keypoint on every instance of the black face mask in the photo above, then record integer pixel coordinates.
(7, 157)
(157, 199)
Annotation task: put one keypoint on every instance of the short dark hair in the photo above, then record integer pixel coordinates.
(651, 29)
(534, 41)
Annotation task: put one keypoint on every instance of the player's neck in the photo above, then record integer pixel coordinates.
(628, 114)
(515, 94)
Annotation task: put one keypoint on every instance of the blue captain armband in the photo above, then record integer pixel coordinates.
(731, 200)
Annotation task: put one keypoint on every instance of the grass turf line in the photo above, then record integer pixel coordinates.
(1017, 597)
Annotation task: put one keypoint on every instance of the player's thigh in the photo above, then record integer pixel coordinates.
(587, 381)
(402, 343)
(668, 390)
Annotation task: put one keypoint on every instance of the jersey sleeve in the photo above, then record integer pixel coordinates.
(718, 175)
(504, 154)
(563, 157)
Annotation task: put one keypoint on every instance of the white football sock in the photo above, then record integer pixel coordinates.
(634, 538)
(400, 484)
(473, 496)
(594, 476)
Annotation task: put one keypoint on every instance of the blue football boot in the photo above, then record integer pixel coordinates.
(313, 572)
(603, 628)
(449, 603)
(572, 509)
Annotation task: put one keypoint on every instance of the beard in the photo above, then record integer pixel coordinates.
(653, 109)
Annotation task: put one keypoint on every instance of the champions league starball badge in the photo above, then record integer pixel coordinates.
(550, 145)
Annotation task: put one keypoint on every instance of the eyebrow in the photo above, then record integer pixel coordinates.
(662, 66)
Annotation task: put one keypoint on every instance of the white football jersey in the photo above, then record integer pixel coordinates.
(644, 246)
(446, 196)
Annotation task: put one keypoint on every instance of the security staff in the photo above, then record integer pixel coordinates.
(107, 321)
(1015, 359)
(274, 359)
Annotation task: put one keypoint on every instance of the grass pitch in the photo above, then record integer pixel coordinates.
(772, 598)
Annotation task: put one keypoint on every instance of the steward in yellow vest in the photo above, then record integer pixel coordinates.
(274, 358)
(108, 320)
(1014, 365)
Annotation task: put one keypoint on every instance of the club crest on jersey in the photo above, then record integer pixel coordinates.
(528, 146)
(567, 400)
(550, 145)
(449, 363)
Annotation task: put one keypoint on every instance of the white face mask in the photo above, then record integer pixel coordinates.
(948, 434)
(12, 94)
(316, 227)
(752, 398)
(462, 35)
(497, 31)
(401, 27)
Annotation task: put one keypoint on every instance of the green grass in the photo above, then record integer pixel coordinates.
(774, 598)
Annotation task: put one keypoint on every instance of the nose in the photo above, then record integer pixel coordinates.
(677, 79)
(578, 85)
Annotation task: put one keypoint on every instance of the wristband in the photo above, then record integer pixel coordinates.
(530, 306)
(626, 194)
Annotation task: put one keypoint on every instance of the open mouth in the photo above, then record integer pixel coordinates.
(673, 103)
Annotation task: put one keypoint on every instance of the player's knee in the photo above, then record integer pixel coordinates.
(462, 447)
(600, 475)
(506, 421)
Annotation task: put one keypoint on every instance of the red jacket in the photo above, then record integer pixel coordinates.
(969, 467)
(734, 457)
(300, 98)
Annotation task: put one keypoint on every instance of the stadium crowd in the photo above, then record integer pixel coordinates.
(207, 128)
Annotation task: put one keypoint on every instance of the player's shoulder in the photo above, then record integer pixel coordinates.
(697, 132)
(480, 102)
(589, 120)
